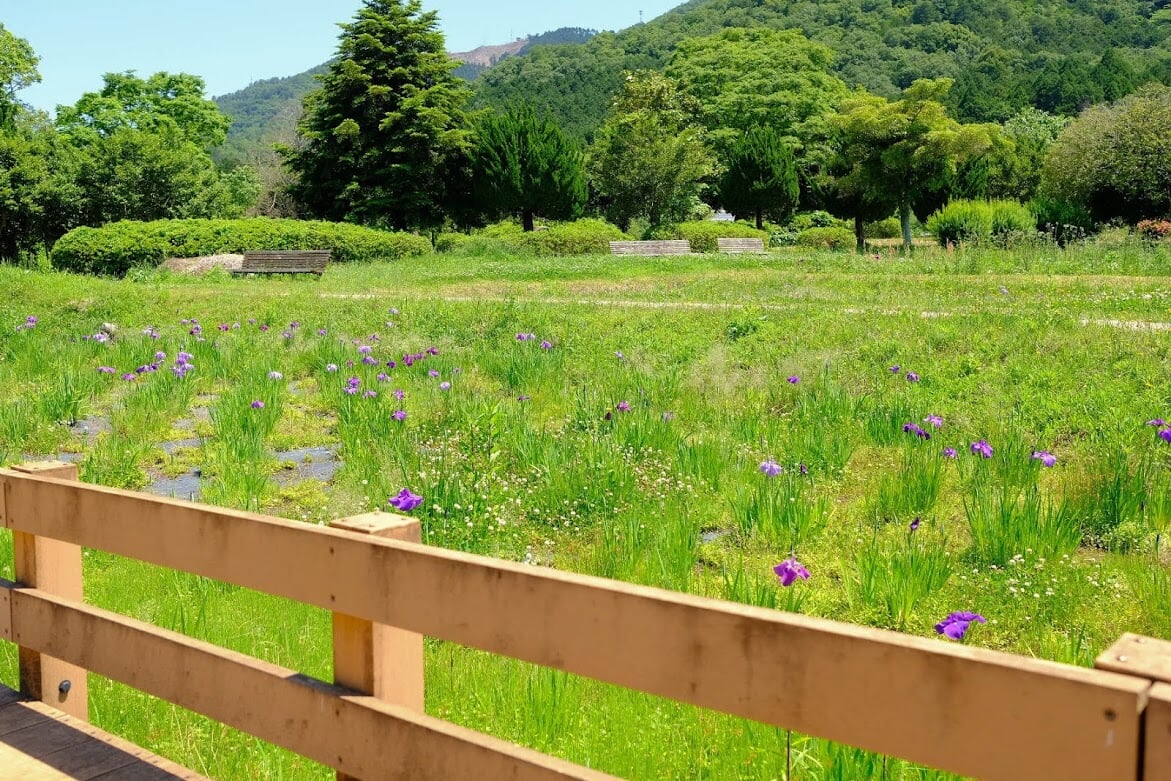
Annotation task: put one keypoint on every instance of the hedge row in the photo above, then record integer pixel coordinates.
(703, 235)
(116, 248)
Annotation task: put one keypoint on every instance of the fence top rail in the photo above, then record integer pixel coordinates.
(963, 709)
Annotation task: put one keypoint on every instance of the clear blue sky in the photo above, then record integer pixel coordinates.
(231, 43)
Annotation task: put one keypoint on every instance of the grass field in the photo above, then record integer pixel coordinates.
(625, 438)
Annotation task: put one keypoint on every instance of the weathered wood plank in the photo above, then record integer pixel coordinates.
(663, 247)
(1131, 654)
(1157, 765)
(963, 709)
(284, 262)
(738, 246)
(40, 742)
(360, 735)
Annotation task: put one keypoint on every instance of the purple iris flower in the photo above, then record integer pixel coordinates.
(523, 397)
(1045, 457)
(982, 448)
(433, 351)
(934, 420)
(31, 321)
(950, 452)
(1159, 422)
(223, 326)
(400, 394)
(790, 570)
(770, 468)
(546, 345)
(331, 367)
(405, 501)
(956, 624)
(623, 406)
(383, 377)
(130, 376)
(258, 404)
(365, 349)
(915, 524)
(895, 369)
(793, 380)
(264, 328)
(432, 373)
(1165, 434)
(322, 332)
(803, 469)
(107, 370)
(444, 386)
(525, 337)
(911, 377)
(399, 414)
(370, 394)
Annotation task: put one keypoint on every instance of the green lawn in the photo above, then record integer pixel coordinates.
(1062, 352)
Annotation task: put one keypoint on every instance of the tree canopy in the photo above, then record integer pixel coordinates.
(906, 151)
(171, 104)
(18, 69)
(387, 126)
(1116, 159)
(743, 78)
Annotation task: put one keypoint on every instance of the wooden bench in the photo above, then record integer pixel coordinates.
(667, 247)
(311, 261)
(739, 246)
(39, 742)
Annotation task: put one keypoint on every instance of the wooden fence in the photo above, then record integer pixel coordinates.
(967, 710)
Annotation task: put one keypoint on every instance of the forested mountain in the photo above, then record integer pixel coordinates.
(266, 111)
(1059, 55)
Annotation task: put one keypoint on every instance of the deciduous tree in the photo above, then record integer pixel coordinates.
(901, 151)
(649, 159)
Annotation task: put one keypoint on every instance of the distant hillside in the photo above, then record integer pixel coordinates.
(1004, 54)
(267, 111)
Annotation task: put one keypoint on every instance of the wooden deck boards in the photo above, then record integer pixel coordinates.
(38, 742)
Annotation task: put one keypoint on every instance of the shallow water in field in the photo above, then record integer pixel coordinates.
(308, 463)
(185, 486)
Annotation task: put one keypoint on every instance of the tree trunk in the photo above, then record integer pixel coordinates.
(859, 234)
(760, 219)
(905, 219)
(528, 219)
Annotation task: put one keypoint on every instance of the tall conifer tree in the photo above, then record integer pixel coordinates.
(387, 127)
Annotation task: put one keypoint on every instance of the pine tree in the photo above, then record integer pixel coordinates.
(522, 164)
(761, 178)
(387, 128)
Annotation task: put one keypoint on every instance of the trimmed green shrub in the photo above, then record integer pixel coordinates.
(962, 221)
(1002, 222)
(890, 228)
(1012, 220)
(816, 219)
(583, 237)
(827, 238)
(116, 248)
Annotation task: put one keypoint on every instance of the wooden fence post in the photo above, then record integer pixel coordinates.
(1149, 658)
(55, 567)
(383, 661)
